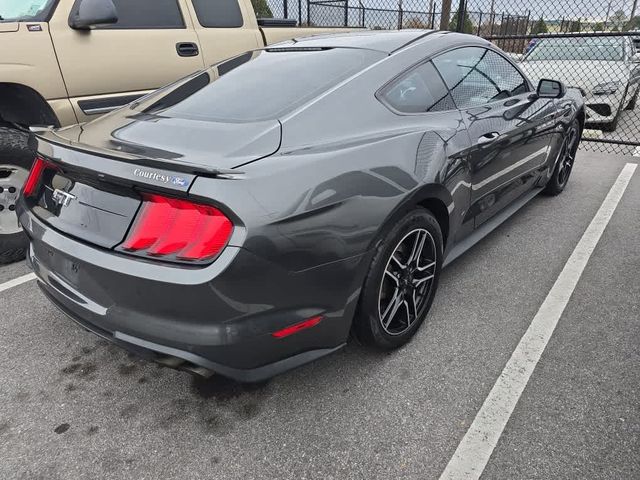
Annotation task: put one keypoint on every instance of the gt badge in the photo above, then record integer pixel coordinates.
(62, 198)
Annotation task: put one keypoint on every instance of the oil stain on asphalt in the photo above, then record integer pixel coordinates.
(62, 428)
(214, 405)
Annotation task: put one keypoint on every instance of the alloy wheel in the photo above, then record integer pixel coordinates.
(567, 155)
(407, 281)
(12, 179)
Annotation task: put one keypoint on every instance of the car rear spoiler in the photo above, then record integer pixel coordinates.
(46, 136)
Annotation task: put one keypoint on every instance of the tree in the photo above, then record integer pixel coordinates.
(262, 9)
(446, 13)
(617, 20)
(634, 24)
(467, 25)
(575, 26)
(539, 27)
(598, 27)
(414, 22)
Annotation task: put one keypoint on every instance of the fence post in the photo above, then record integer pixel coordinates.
(346, 13)
(308, 14)
(285, 8)
(462, 12)
(479, 23)
(299, 13)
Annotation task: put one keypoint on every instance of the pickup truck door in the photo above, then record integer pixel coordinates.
(152, 44)
(225, 28)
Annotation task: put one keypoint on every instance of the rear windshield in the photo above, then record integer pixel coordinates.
(25, 10)
(266, 84)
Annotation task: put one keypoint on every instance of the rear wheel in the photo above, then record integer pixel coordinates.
(401, 283)
(565, 161)
(15, 162)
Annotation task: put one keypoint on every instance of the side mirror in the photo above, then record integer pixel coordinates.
(550, 89)
(86, 14)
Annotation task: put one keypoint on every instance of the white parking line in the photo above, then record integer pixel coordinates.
(473, 452)
(17, 281)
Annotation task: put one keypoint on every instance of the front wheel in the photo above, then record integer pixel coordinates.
(15, 162)
(401, 283)
(565, 161)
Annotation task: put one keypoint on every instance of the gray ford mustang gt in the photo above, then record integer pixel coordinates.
(246, 219)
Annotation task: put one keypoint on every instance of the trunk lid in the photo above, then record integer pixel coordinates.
(179, 142)
(72, 205)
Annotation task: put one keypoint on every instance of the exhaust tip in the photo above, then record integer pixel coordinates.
(181, 364)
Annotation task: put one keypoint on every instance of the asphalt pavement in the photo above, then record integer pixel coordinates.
(75, 407)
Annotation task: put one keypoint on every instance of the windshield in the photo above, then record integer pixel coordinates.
(263, 85)
(607, 49)
(25, 10)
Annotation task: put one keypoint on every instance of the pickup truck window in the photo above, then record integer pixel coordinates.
(146, 14)
(218, 13)
(25, 10)
(272, 83)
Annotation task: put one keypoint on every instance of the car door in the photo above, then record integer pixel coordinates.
(509, 128)
(225, 28)
(152, 44)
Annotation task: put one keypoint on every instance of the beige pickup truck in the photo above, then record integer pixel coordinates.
(67, 61)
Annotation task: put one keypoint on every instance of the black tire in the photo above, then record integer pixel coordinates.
(14, 151)
(565, 161)
(368, 323)
(632, 103)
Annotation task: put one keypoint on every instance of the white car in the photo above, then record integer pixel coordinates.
(605, 69)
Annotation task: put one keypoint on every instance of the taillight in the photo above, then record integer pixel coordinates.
(35, 175)
(177, 230)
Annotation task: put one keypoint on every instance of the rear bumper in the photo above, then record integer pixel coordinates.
(220, 317)
(188, 361)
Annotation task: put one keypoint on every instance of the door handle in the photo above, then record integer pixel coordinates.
(488, 138)
(187, 49)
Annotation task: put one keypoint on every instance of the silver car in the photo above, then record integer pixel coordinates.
(605, 69)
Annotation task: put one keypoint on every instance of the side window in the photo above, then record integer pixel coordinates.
(420, 90)
(477, 76)
(146, 14)
(218, 13)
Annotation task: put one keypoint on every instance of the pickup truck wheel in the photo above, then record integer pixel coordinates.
(15, 162)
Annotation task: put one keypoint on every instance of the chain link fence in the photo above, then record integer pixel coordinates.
(590, 45)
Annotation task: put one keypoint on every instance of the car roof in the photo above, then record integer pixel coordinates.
(387, 41)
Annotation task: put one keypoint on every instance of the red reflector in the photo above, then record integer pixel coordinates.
(171, 227)
(33, 180)
(285, 332)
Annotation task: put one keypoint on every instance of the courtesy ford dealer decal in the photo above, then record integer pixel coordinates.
(161, 177)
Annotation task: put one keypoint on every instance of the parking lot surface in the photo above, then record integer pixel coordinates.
(74, 407)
